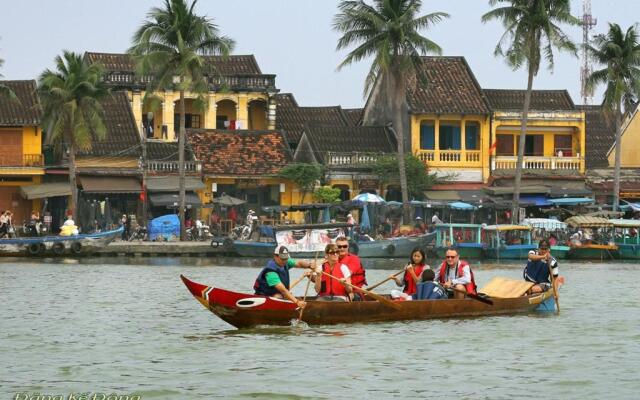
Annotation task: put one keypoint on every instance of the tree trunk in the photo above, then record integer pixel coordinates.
(181, 193)
(73, 206)
(616, 174)
(515, 208)
(398, 99)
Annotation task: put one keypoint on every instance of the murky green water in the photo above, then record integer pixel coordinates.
(128, 326)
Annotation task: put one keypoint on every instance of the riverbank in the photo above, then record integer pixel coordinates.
(157, 249)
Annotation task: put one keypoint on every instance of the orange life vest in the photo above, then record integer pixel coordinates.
(470, 287)
(410, 287)
(331, 286)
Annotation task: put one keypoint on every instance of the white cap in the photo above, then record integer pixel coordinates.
(282, 252)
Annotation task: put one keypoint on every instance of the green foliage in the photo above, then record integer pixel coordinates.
(4, 89)
(418, 177)
(71, 100)
(327, 194)
(304, 175)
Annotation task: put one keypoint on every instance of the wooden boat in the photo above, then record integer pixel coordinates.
(544, 227)
(400, 246)
(597, 243)
(249, 310)
(507, 242)
(466, 238)
(57, 245)
(627, 238)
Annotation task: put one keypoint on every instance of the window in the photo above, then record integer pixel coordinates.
(190, 121)
(533, 145)
(221, 122)
(472, 135)
(504, 145)
(427, 135)
(564, 144)
(450, 136)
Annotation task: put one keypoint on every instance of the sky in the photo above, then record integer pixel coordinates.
(292, 39)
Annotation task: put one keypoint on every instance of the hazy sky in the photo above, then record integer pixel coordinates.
(290, 38)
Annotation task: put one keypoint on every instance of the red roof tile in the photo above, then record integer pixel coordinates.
(26, 111)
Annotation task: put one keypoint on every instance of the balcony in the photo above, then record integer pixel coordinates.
(451, 158)
(350, 158)
(538, 163)
(21, 161)
(171, 167)
(236, 82)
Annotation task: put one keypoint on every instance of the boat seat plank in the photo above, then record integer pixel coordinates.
(505, 288)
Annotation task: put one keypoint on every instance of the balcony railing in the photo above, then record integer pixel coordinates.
(451, 158)
(537, 163)
(352, 158)
(235, 82)
(172, 166)
(25, 160)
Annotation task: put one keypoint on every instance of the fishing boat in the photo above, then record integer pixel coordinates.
(248, 310)
(544, 228)
(466, 238)
(57, 245)
(507, 241)
(596, 241)
(400, 246)
(627, 238)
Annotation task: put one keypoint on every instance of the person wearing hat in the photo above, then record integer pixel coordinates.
(419, 227)
(537, 268)
(273, 280)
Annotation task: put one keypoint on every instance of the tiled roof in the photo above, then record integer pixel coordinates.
(248, 153)
(353, 115)
(291, 118)
(541, 100)
(233, 65)
(600, 136)
(122, 138)
(346, 139)
(24, 112)
(166, 151)
(450, 87)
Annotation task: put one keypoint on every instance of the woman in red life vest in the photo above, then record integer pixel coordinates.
(412, 272)
(334, 289)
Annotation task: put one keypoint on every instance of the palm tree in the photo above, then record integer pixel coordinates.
(388, 31)
(532, 32)
(171, 43)
(72, 113)
(619, 52)
(4, 89)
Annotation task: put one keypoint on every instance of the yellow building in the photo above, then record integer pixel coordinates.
(629, 144)
(21, 160)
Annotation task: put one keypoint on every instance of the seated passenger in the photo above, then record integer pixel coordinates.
(537, 268)
(427, 289)
(456, 274)
(412, 272)
(337, 287)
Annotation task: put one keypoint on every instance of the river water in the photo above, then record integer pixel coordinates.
(129, 327)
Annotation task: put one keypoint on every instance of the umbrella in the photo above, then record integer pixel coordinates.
(365, 224)
(458, 205)
(226, 200)
(369, 198)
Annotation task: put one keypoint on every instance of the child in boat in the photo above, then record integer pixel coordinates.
(412, 271)
(427, 289)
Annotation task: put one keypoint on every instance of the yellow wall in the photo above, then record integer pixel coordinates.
(629, 145)
(31, 145)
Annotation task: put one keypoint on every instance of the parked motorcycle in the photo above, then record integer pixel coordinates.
(198, 232)
(140, 233)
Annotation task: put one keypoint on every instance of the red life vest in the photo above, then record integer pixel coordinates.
(358, 277)
(470, 287)
(410, 287)
(331, 286)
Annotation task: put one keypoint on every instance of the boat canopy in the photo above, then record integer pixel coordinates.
(453, 225)
(458, 205)
(507, 228)
(625, 223)
(545, 223)
(583, 221)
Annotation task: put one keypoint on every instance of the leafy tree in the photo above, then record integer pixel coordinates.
(532, 32)
(388, 31)
(619, 52)
(418, 177)
(72, 112)
(4, 89)
(327, 194)
(304, 175)
(171, 43)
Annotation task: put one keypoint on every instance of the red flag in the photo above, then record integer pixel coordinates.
(492, 149)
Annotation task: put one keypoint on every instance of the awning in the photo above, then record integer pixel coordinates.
(571, 201)
(442, 195)
(110, 184)
(569, 192)
(171, 183)
(172, 199)
(458, 205)
(495, 190)
(582, 221)
(538, 200)
(46, 190)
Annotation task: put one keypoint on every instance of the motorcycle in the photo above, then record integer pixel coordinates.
(140, 233)
(240, 232)
(198, 232)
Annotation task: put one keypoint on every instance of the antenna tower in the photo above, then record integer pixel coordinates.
(588, 22)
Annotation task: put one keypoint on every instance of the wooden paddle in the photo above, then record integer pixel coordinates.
(473, 296)
(315, 261)
(294, 284)
(388, 279)
(376, 296)
(555, 290)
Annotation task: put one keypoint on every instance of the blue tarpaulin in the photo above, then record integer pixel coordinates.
(535, 199)
(458, 205)
(571, 201)
(164, 228)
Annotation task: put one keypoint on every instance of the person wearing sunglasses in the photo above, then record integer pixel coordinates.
(358, 274)
(456, 274)
(334, 288)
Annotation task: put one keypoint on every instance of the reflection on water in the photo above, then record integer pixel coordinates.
(128, 325)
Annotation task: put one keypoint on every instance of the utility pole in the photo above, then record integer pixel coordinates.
(588, 22)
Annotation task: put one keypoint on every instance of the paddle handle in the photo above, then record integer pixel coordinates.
(555, 290)
(365, 291)
(472, 296)
(386, 280)
(294, 284)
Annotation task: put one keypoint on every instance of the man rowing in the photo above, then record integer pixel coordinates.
(537, 268)
(273, 280)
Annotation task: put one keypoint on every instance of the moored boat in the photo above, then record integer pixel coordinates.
(627, 238)
(248, 310)
(547, 227)
(466, 238)
(57, 245)
(507, 242)
(596, 242)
